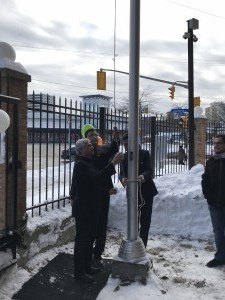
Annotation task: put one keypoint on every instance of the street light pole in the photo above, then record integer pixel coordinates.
(192, 25)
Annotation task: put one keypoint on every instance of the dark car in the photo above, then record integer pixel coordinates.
(176, 138)
(69, 154)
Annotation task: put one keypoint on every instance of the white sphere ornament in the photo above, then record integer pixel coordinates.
(4, 120)
(198, 112)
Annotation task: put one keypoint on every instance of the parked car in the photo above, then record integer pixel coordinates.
(69, 154)
(176, 138)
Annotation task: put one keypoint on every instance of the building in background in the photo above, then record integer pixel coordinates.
(40, 101)
(96, 100)
(53, 122)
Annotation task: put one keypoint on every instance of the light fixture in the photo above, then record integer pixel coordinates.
(4, 121)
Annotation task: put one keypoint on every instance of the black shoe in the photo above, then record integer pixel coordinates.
(93, 270)
(215, 263)
(84, 277)
(97, 263)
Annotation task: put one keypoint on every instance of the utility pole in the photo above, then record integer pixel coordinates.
(192, 25)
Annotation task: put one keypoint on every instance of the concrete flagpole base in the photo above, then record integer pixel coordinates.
(132, 263)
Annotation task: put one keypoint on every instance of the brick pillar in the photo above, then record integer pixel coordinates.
(200, 140)
(13, 82)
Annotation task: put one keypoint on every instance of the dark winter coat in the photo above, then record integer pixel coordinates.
(213, 182)
(148, 188)
(181, 155)
(102, 156)
(86, 186)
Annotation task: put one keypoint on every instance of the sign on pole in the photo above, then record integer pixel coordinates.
(180, 111)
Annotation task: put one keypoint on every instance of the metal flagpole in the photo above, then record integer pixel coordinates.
(132, 250)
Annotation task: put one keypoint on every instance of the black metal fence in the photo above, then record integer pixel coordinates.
(54, 127)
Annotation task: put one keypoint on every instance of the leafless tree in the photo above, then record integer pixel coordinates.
(216, 112)
(145, 101)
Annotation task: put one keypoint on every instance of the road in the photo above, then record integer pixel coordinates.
(40, 156)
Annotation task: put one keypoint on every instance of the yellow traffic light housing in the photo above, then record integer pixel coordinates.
(197, 101)
(101, 80)
(172, 91)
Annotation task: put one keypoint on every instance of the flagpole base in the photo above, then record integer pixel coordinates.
(132, 251)
(132, 263)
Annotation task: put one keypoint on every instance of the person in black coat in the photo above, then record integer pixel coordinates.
(213, 188)
(85, 193)
(102, 155)
(181, 155)
(146, 189)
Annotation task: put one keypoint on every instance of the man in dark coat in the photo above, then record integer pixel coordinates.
(85, 194)
(102, 155)
(213, 188)
(146, 189)
(181, 155)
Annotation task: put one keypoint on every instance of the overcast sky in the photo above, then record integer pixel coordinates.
(62, 44)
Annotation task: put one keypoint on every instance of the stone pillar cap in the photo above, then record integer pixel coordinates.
(8, 57)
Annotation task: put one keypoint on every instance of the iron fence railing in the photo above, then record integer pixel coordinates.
(54, 127)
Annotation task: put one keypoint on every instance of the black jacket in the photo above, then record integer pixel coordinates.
(213, 182)
(103, 154)
(86, 186)
(148, 187)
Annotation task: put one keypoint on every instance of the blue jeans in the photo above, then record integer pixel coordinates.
(218, 224)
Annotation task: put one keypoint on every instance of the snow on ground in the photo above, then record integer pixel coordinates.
(180, 244)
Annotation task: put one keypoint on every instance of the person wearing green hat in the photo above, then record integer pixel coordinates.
(85, 128)
(102, 155)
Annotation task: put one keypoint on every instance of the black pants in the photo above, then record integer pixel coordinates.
(101, 230)
(84, 239)
(145, 216)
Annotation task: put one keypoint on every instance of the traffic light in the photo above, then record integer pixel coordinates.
(172, 91)
(184, 122)
(101, 80)
(197, 101)
(146, 109)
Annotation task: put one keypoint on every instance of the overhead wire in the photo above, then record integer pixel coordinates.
(157, 60)
(196, 9)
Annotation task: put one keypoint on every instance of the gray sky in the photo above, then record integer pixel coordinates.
(62, 44)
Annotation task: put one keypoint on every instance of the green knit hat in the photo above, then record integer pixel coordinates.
(86, 128)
